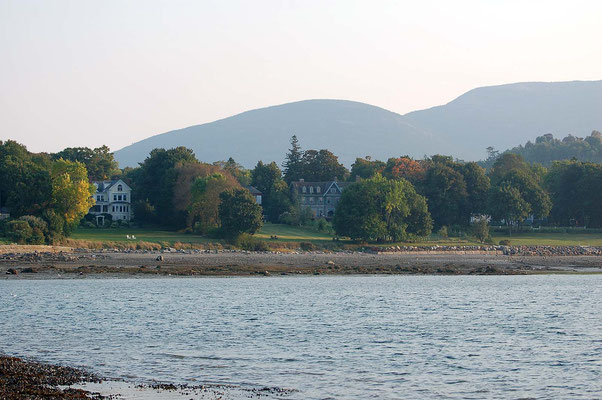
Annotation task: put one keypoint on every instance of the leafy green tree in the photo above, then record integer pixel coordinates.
(242, 175)
(576, 191)
(267, 178)
(379, 209)
(507, 203)
(293, 164)
(480, 229)
(154, 182)
(365, 168)
(99, 162)
(445, 190)
(477, 187)
(321, 166)
(238, 213)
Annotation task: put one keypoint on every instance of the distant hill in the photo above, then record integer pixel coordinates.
(499, 116)
(508, 115)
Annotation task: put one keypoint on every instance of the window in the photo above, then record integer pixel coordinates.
(113, 209)
(311, 200)
(124, 198)
(304, 189)
(321, 200)
(98, 198)
(119, 188)
(311, 189)
(328, 201)
(317, 189)
(119, 197)
(114, 197)
(333, 190)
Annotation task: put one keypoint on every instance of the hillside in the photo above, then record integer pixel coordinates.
(499, 116)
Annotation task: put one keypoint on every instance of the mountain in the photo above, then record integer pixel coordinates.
(499, 116)
(507, 115)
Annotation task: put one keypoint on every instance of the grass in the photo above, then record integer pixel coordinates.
(145, 235)
(292, 234)
(552, 239)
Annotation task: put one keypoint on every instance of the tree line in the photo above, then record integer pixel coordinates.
(396, 199)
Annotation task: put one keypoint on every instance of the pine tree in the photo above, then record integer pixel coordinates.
(293, 165)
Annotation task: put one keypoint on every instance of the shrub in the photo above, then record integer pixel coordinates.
(443, 232)
(480, 229)
(504, 242)
(19, 231)
(307, 246)
(249, 243)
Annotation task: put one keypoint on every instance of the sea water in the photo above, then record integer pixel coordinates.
(342, 337)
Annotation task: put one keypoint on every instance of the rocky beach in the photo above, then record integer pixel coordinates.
(44, 262)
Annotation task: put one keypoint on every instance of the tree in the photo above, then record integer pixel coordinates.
(477, 187)
(445, 190)
(267, 178)
(242, 175)
(406, 168)
(321, 166)
(379, 209)
(154, 182)
(365, 168)
(238, 213)
(480, 229)
(99, 162)
(293, 164)
(506, 202)
(71, 192)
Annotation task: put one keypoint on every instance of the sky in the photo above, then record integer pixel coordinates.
(89, 73)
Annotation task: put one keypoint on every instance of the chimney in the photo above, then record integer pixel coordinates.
(301, 180)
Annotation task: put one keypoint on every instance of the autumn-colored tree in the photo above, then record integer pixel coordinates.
(406, 168)
(71, 192)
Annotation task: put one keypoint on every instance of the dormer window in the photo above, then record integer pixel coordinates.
(304, 189)
(119, 188)
(317, 189)
(311, 189)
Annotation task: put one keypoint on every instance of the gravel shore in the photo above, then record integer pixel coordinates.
(21, 379)
(16, 263)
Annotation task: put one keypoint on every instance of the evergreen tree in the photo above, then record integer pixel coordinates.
(293, 166)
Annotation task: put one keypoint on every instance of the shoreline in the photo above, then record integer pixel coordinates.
(44, 262)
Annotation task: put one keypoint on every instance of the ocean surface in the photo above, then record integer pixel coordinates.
(340, 337)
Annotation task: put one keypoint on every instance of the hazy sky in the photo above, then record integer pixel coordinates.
(87, 73)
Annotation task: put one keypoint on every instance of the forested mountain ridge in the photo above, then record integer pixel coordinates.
(548, 149)
(498, 116)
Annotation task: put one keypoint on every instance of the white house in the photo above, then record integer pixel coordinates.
(114, 198)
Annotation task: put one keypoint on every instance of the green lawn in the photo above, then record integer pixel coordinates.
(288, 233)
(284, 233)
(145, 235)
(554, 239)
(292, 234)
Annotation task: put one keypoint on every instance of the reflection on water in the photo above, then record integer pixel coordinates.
(340, 337)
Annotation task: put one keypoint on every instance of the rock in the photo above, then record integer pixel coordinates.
(12, 271)
(29, 270)
(159, 258)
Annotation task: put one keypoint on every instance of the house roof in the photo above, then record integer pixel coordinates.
(254, 191)
(103, 186)
(324, 186)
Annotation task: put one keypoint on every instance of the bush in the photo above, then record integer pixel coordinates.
(480, 229)
(249, 243)
(443, 232)
(19, 231)
(307, 246)
(504, 242)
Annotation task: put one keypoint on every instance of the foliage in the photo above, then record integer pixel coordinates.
(242, 175)
(445, 190)
(293, 164)
(379, 209)
(71, 192)
(19, 231)
(267, 178)
(443, 232)
(576, 191)
(547, 149)
(406, 168)
(154, 182)
(238, 213)
(365, 168)
(250, 243)
(99, 162)
(480, 229)
(507, 203)
(321, 166)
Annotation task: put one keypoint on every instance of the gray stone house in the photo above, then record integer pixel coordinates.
(320, 197)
